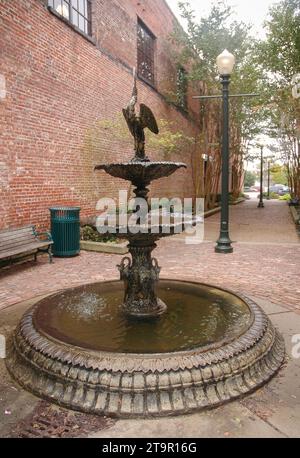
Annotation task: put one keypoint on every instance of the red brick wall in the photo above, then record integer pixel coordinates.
(59, 87)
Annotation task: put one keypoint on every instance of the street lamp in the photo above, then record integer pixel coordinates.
(269, 179)
(225, 64)
(261, 196)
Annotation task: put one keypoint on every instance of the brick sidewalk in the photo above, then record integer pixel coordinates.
(266, 266)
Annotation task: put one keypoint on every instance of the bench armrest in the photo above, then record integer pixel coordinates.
(44, 236)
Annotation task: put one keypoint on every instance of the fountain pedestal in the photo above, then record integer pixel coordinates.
(140, 275)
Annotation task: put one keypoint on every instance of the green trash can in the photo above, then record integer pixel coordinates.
(65, 230)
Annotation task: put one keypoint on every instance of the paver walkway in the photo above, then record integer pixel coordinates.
(265, 262)
(249, 224)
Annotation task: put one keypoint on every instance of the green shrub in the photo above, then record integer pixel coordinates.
(285, 197)
(89, 234)
(273, 195)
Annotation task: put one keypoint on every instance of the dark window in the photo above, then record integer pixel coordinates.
(78, 12)
(182, 88)
(146, 51)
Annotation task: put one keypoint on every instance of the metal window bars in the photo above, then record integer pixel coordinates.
(77, 12)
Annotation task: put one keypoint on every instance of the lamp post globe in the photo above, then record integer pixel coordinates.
(225, 63)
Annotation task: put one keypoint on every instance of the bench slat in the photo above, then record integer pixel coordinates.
(17, 243)
(28, 248)
(16, 234)
(12, 231)
(17, 237)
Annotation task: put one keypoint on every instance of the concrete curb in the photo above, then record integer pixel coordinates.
(212, 212)
(100, 247)
(295, 215)
(240, 200)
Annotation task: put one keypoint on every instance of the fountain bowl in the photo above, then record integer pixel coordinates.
(141, 172)
(76, 348)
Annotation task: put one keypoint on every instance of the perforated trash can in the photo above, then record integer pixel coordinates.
(65, 230)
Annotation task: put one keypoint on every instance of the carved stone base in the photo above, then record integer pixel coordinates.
(135, 311)
(133, 385)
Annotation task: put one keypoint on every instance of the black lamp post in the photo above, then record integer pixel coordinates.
(225, 64)
(261, 197)
(269, 178)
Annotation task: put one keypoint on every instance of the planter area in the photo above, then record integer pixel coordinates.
(104, 247)
(91, 240)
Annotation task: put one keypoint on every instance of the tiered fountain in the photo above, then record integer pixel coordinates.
(170, 347)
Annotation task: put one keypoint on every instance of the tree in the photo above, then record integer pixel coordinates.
(202, 42)
(279, 56)
(280, 52)
(279, 174)
(250, 179)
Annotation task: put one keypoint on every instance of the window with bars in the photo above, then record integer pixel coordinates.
(182, 87)
(146, 53)
(77, 12)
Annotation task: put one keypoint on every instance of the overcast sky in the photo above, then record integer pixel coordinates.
(249, 11)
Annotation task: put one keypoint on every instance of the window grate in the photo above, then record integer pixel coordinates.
(146, 52)
(77, 12)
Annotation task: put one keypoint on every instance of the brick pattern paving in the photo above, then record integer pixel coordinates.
(258, 268)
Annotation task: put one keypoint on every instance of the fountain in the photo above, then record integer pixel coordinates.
(143, 346)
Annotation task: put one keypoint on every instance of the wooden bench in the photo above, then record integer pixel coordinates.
(14, 242)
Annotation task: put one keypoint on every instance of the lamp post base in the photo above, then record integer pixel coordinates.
(224, 246)
(261, 205)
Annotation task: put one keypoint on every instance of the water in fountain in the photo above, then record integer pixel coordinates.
(91, 317)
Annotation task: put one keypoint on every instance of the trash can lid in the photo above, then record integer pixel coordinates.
(65, 209)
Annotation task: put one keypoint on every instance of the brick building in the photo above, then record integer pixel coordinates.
(65, 70)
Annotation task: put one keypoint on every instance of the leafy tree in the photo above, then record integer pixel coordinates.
(279, 175)
(202, 42)
(250, 179)
(279, 56)
(280, 52)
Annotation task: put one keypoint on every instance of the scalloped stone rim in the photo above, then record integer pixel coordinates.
(138, 385)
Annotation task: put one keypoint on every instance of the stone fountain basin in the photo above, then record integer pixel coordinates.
(141, 172)
(67, 350)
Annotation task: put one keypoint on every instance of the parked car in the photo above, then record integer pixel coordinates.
(254, 189)
(280, 189)
(285, 190)
(276, 188)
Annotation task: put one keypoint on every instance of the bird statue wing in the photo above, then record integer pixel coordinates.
(148, 119)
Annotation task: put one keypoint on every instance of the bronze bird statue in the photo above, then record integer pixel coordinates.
(137, 124)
